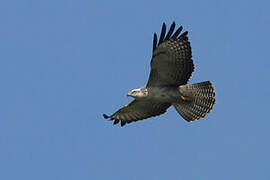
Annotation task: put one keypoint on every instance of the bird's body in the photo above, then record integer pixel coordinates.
(162, 94)
(171, 68)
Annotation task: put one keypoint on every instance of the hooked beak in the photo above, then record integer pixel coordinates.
(129, 93)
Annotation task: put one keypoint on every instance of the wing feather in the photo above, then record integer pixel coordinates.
(170, 31)
(171, 63)
(138, 110)
(154, 42)
(162, 34)
(177, 32)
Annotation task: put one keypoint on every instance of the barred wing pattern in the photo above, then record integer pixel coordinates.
(171, 63)
(138, 110)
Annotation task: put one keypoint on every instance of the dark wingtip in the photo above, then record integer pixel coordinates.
(116, 121)
(123, 123)
(162, 34)
(163, 25)
(184, 34)
(106, 116)
(177, 32)
(154, 42)
(170, 32)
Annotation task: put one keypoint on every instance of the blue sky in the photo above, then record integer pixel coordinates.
(65, 63)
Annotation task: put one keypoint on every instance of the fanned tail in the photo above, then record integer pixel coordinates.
(197, 100)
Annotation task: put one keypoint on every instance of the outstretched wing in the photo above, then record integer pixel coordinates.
(171, 63)
(138, 110)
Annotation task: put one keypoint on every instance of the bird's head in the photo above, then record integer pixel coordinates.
(138, 93)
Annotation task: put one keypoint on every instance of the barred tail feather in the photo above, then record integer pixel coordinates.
(197, 100)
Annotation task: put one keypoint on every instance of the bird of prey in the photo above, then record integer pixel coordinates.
(171, 68)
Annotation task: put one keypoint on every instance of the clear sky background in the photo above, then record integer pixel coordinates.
(65, 63)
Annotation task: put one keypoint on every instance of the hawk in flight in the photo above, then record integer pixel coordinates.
(171, 68)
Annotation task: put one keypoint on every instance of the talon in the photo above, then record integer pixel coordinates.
(185, 98)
